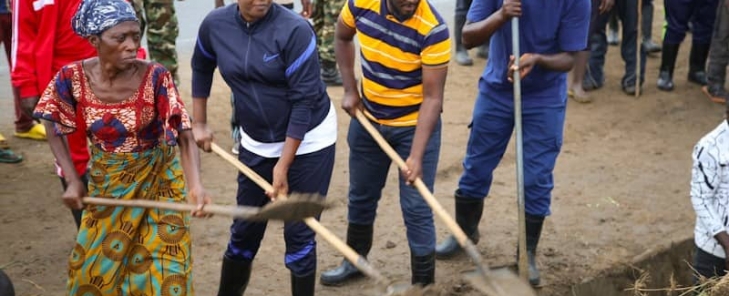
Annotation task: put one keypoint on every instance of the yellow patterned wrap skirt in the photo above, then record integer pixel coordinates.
(133, 251)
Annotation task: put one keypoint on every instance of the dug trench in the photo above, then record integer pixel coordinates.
(661, 271)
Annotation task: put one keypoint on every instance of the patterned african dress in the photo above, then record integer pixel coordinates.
(120, 250)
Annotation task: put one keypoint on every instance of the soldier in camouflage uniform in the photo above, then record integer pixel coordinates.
(160, 20)
(326, 14)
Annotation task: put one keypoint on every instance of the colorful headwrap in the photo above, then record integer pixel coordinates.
(96, 16)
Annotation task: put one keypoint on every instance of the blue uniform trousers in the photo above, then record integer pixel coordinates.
(491, 129)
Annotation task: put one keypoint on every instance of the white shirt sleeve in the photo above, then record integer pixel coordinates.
(705, 179)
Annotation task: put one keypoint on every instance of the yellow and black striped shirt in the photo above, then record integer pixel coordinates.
(393, 53)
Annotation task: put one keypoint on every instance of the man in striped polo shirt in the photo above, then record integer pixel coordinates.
(405, 50)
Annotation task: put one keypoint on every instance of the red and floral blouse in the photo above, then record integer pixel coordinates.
(153, 113)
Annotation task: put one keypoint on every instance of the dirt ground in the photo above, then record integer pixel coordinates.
(622, 185)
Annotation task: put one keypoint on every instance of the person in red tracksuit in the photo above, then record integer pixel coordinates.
(44, 42)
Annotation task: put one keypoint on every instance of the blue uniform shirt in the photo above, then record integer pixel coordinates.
(546, 27)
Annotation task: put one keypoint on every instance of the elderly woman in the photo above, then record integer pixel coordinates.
(267, 55)
(134, 118)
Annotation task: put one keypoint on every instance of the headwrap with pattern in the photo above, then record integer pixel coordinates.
(93, 17)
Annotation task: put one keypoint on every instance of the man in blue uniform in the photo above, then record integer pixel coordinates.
(551, 33)
(679, 13)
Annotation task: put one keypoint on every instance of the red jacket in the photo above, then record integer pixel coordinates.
(43, 42)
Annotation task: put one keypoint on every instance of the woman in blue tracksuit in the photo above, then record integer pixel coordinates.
(267, 56)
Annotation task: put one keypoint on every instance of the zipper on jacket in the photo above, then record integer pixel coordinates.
(253, 88)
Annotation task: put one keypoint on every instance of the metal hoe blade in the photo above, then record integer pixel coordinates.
(295, 208)
(499, 282)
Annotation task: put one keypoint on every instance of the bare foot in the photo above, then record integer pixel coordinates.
(579, 95)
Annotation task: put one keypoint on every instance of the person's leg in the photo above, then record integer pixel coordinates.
(718, 56)
(577, 75)
(309, 173)
(543, 130)
(628, 13)
(162, 32)
(706, 266)
(462, 57)
(647, 28)
(246, 236)
(491, 128)
(678, 14)
(415, 211)
(612, 33)
(595, 76)
(25, 126)
(703, 23)
(325, 37)
(368, 166)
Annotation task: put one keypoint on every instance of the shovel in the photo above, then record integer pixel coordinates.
(356, 259)
(298, 207)
(497, 283)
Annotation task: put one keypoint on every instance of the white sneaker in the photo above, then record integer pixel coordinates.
(235, 149)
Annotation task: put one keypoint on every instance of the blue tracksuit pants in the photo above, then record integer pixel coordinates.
(309, 173)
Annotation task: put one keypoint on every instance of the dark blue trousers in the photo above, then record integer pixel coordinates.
(700, 13)
(309, 173)
(368, 166)
(627, 12)
(491, 129)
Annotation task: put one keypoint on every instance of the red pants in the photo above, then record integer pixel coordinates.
(23, 122)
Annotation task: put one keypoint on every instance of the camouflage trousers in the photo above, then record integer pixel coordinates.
(160, 21)
(326, 14)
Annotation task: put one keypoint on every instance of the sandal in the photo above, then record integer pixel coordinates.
(37, 132)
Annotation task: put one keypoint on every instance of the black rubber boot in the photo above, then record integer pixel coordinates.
(668, 62)
(697, 63)
(303, 285)
(468, 215)
(6, 286)
(359, 237)
(234, 277)
(533, 232)
(423, 269)
(462, 57)
(330, 74)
